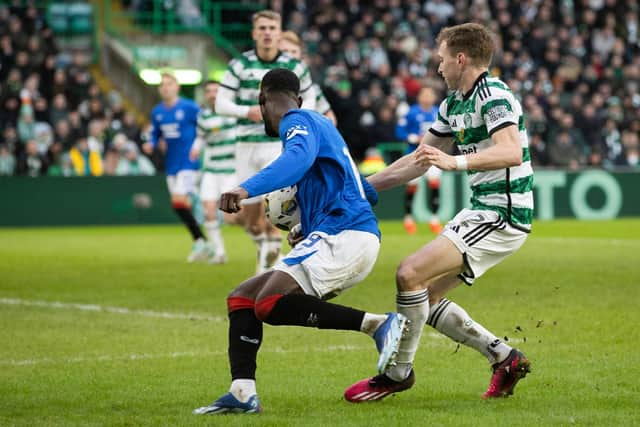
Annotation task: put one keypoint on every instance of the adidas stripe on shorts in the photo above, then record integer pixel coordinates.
(484, 238)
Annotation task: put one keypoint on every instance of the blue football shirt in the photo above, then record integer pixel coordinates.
(417, 121)
(331, 195)
(177, 126)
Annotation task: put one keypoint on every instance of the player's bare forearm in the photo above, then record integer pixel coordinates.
(399, 172)
(505, 152)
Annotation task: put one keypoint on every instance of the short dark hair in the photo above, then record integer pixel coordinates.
(473, 39)
(211, 82)
(281, 80)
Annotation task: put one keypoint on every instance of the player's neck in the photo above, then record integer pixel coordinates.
(469, 79)
(267, 54)
(171, 102)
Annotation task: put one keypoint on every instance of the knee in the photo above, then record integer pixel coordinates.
(406, 277)
(255, 228)
(237, 301)
(434, 299)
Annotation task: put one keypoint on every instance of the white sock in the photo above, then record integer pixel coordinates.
(414, 305)
(215, 236)
(243, 389)
(259, 240)
(451, 320)
(274, 243)
(371, 322)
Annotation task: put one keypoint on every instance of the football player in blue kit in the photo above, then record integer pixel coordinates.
(411, 128)
(336, 248)
(175, 120)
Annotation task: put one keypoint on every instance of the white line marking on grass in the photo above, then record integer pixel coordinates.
(107, 309)
(179, 354)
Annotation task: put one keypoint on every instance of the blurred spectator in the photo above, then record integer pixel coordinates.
(110, 162)
(384, 130)
(538, 150)
(62, 135)
(26, 122)
(630, 141)
(63, 166)
(133, 163)
(31, 162)
(86, 162)
(563, 152)
(7, 161)
(41, 110)
(59, 109)
(96, 136)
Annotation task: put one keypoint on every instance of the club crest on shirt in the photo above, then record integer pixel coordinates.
(296, 130)
(179, 114)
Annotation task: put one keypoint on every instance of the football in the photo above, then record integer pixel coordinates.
(282, 208)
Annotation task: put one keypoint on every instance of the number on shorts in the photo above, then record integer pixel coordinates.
(311, 240)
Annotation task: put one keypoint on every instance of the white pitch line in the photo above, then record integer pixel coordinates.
(174, 355)
(107, 309)
(179, 354)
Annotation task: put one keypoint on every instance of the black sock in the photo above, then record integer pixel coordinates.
(245, 337)
(434, 200)
(408, 200)
(187, 218)
(306, 310)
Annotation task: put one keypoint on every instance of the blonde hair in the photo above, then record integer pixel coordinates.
(474, 40)
(291, 37)
(268, 14)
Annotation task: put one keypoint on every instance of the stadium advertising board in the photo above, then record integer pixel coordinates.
(589, 195)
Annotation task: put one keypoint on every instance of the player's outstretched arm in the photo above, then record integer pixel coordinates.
(505, 152)
(406, 168)
(399, 172)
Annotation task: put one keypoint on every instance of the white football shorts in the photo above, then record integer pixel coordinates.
(325, 265)
(184, 182)
(212, 185)
(252, 157)
(484, 238)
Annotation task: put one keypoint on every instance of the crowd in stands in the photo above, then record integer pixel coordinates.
(54, 119)
(574, 65)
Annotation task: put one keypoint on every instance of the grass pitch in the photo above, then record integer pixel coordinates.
(109, 326)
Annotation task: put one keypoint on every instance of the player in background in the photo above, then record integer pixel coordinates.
(290, 43)
(174, 120)
(215, 140)
(486, 122)
(336, 248)
(238, 97)
(411, 128)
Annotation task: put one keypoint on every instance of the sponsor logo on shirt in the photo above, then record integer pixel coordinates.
(497, 113)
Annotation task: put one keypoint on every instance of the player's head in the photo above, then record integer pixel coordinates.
(169, 87)
(267, 26)
(291, 44)
(426, 97)
(279, 93)
(211, 92)
(461, 48)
